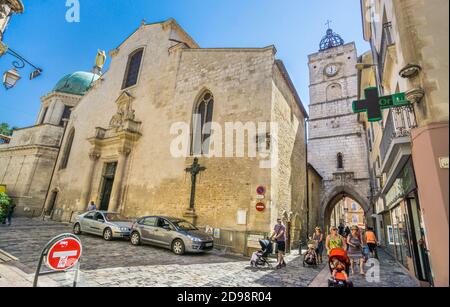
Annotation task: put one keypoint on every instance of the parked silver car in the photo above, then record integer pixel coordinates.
(109, 225)
(173, 233)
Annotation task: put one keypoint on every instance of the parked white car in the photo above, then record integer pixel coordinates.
(109, 225)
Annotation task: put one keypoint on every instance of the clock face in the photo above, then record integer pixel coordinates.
(331, 70)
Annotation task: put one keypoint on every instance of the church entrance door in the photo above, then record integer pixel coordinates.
(108, 181)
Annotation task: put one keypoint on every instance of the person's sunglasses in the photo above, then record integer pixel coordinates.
(334, 229)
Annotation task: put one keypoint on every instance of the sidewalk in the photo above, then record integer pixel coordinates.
(11, 277)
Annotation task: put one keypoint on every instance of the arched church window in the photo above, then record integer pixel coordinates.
(133, 68)
(202, 124)
(334, 91)
(67, 149)
(340, 161)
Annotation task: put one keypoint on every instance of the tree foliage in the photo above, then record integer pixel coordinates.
(5, 129)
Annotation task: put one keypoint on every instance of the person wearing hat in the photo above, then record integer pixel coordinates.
(334, 240)
(355, 250)
(318, 238)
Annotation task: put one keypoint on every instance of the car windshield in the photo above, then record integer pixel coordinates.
(184, 225)
(113, 217)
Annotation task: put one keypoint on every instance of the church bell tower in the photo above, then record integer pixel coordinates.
(337, 145)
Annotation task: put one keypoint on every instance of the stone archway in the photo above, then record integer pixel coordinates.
(334, 196)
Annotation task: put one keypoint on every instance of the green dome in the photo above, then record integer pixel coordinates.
(77, 83)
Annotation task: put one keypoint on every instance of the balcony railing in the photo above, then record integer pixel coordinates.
(398, 125)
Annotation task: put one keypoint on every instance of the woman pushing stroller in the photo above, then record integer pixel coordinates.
(334, 240)
(313, 255)
(338, 261)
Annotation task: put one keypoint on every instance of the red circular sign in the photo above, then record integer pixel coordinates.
(260, 207)
(64, 254)
(261, 190)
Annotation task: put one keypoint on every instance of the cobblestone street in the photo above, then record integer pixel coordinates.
(118, 263)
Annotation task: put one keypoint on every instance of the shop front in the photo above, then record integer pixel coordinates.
(403, 225)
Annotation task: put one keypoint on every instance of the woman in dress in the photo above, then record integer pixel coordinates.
(355, 250)
(318, 238)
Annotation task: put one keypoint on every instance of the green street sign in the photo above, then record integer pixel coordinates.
(374, 104)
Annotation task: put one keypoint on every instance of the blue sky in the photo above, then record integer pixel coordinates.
(43, 36)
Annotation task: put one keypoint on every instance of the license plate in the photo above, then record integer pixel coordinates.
(209, 244)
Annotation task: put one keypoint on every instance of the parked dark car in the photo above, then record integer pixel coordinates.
(176, 234)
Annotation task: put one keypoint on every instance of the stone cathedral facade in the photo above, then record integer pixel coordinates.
(116, 149)
(337, 146)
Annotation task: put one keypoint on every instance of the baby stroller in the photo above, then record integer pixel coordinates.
(259, 258)
(310, 256)
(340, 280)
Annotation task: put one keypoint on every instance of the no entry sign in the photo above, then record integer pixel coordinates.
(64, 254)
(61, 254)
(260, 207)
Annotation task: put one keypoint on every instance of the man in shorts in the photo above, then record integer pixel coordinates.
(279, 236)
(372, 242)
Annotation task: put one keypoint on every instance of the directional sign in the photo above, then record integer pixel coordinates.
(64, 254)
(374, 104)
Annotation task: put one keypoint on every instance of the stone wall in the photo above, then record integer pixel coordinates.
(289, 177)
(26, 166)
(314, 194)
(26, 172)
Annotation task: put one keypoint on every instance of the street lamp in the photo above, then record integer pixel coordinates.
(10, 78)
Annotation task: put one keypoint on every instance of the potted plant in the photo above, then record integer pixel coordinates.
(5, 203)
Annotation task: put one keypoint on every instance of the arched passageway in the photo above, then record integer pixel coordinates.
(344, 205)
(347, 213)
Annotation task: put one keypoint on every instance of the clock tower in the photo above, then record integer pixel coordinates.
(337, 146)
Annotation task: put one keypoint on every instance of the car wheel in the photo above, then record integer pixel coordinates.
(107, 234)
(135, 239)
(77, 229)
(178, 247)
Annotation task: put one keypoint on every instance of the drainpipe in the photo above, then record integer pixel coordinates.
(307, 179)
